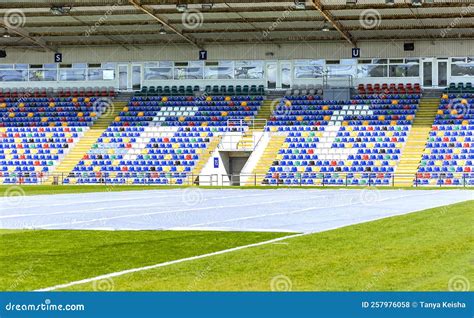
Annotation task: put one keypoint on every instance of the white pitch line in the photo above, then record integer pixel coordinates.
(182, 260)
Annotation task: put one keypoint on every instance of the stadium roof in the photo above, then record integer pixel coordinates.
(56, 23)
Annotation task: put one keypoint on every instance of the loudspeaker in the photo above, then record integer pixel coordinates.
(409, 46)
(3, 53)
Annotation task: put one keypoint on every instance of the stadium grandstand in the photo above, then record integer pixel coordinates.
(219, 93)
(222, 124)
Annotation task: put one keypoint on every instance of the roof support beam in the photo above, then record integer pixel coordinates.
(275, 40)
(336, 24)
(163, 22)
(296, 19)
(210, 31)
(95, 3)
(24, 34)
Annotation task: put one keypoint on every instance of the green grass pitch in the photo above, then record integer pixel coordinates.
(35, 259)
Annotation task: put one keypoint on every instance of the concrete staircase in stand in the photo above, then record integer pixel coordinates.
(85, 144)
(267, 158)
(407, 168)
(258, 125)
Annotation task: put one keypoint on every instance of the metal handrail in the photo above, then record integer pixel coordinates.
(189, 179)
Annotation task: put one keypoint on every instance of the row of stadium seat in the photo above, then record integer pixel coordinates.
(389, 88)
(196, 90)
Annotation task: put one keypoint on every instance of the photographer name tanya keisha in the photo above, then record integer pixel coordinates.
(443, 304)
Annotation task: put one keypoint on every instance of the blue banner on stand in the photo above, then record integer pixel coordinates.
(243, 304)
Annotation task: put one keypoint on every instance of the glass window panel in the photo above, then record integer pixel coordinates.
(404, 70)
(218, 72)
(21, 66)
(79, 65)
(13, 75)
(396, 61)
(50, 66)
(412, 61)
(43, 75)
(341, 69)
(72, 75)
(109, 66)
(372, 71)
(308, 71)
(196, 63)
(188, 73)
(462, 69)
(248, 70)
(379, 61)
(158, 73)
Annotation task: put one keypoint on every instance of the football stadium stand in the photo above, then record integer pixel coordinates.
(386, 135)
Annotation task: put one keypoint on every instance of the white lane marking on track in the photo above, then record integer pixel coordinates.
(78, 201)
(182, 260)
(115, 208)
(163, 212)
(298, 211)
(131, 195)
